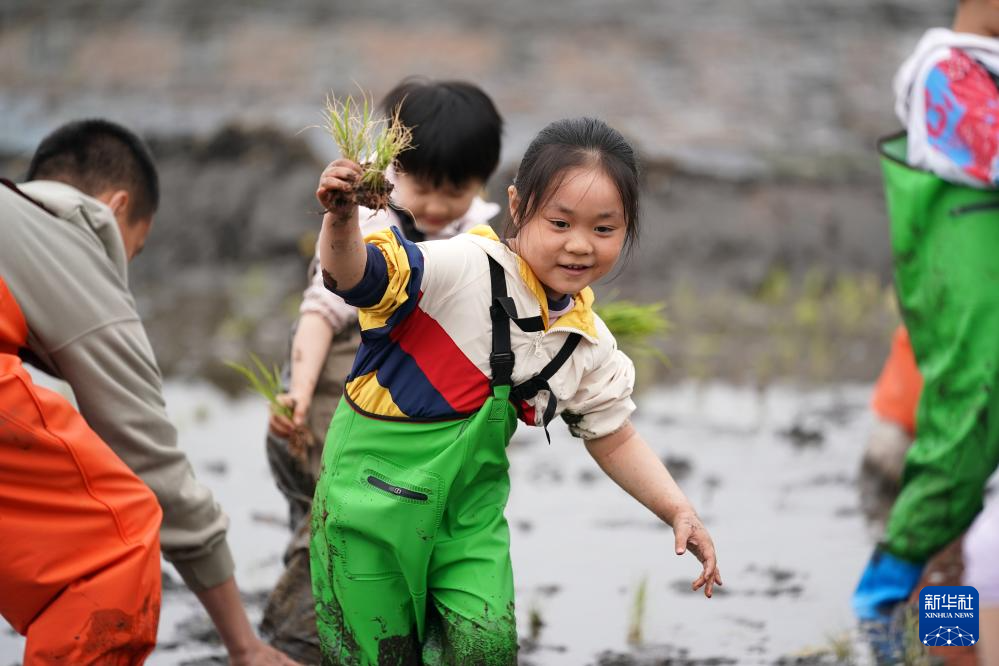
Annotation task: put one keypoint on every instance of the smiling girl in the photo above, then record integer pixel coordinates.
(410, 547)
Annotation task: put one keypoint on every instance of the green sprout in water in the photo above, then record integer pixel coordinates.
(635, 325)
(535, 623)
(372, 142)
(638, 613)
(267, 383)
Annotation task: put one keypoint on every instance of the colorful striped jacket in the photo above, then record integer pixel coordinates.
(331, 307)
(426, 337)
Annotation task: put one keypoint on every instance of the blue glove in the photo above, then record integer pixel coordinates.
(886, 582)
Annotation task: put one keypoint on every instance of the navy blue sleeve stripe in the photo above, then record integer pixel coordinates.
(370, 290)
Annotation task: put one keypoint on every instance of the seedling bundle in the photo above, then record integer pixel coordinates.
(371, 141)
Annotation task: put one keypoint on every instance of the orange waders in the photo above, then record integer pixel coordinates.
(79, 531)
(896, 394)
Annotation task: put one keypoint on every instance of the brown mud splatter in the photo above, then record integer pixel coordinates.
(658, 655)
(373, 197)
(802, 435)
(399, 651)
(117, 638)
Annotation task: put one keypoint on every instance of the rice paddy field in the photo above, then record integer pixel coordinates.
(773, 473)
(763, 232)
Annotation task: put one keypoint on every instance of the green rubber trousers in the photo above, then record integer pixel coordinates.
(945, 245)
(410, 549)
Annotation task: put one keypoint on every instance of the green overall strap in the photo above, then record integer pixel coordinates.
(992, 75)
(502, 311)
(539, 382)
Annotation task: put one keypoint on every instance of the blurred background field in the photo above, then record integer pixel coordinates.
(764, 228)
(763, 232)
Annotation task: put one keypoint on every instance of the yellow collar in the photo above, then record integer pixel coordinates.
(580, 317)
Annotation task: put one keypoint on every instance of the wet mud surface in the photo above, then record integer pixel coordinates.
(785, 518)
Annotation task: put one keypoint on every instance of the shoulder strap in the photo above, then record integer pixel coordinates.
(539, 382)
(407, 224)
(992, 75)
(502, 311)
(501, 357)
(17, 190)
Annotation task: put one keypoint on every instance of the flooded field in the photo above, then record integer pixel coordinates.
(764, 232)
(772, 472)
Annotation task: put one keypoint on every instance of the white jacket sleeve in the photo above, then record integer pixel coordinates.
(602, 403)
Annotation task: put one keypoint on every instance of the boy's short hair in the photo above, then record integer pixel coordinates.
(456, 130)
(96, 155)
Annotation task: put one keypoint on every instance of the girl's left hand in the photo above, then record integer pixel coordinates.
(693, 536)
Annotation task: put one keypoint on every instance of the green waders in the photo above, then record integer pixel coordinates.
(410, 547)
(945, 242)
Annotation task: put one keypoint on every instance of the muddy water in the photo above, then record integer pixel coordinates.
(772, 474)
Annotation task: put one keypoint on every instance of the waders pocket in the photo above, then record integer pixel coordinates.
(388, 517)
(397, 490)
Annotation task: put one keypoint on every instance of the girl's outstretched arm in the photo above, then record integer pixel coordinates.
(341, 246)
(625, 457)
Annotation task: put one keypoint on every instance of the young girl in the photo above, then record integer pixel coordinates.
(410, 547)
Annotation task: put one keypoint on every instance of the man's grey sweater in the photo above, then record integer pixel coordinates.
(67, 269)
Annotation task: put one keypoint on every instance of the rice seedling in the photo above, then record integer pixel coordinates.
(267, 382)
(841, 647)
(635, 325)
(638, 613)
(372, 142)
(535, 623)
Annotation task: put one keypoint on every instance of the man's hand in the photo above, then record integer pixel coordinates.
(245, 648)
(259, 653)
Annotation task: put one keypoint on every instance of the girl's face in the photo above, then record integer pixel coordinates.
(577, 236)
(433, 208)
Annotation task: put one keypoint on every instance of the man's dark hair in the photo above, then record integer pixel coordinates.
(456, 130)
(96, 155)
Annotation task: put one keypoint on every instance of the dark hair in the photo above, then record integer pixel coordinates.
(456, 130)
(576, 142)
(95, 155)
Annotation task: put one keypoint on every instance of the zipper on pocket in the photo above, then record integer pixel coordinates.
(396, 490)
(974, 208)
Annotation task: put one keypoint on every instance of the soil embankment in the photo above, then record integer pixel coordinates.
(763, 276)
(764, 227)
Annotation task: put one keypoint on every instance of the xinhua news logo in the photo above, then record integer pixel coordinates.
(948, 615)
